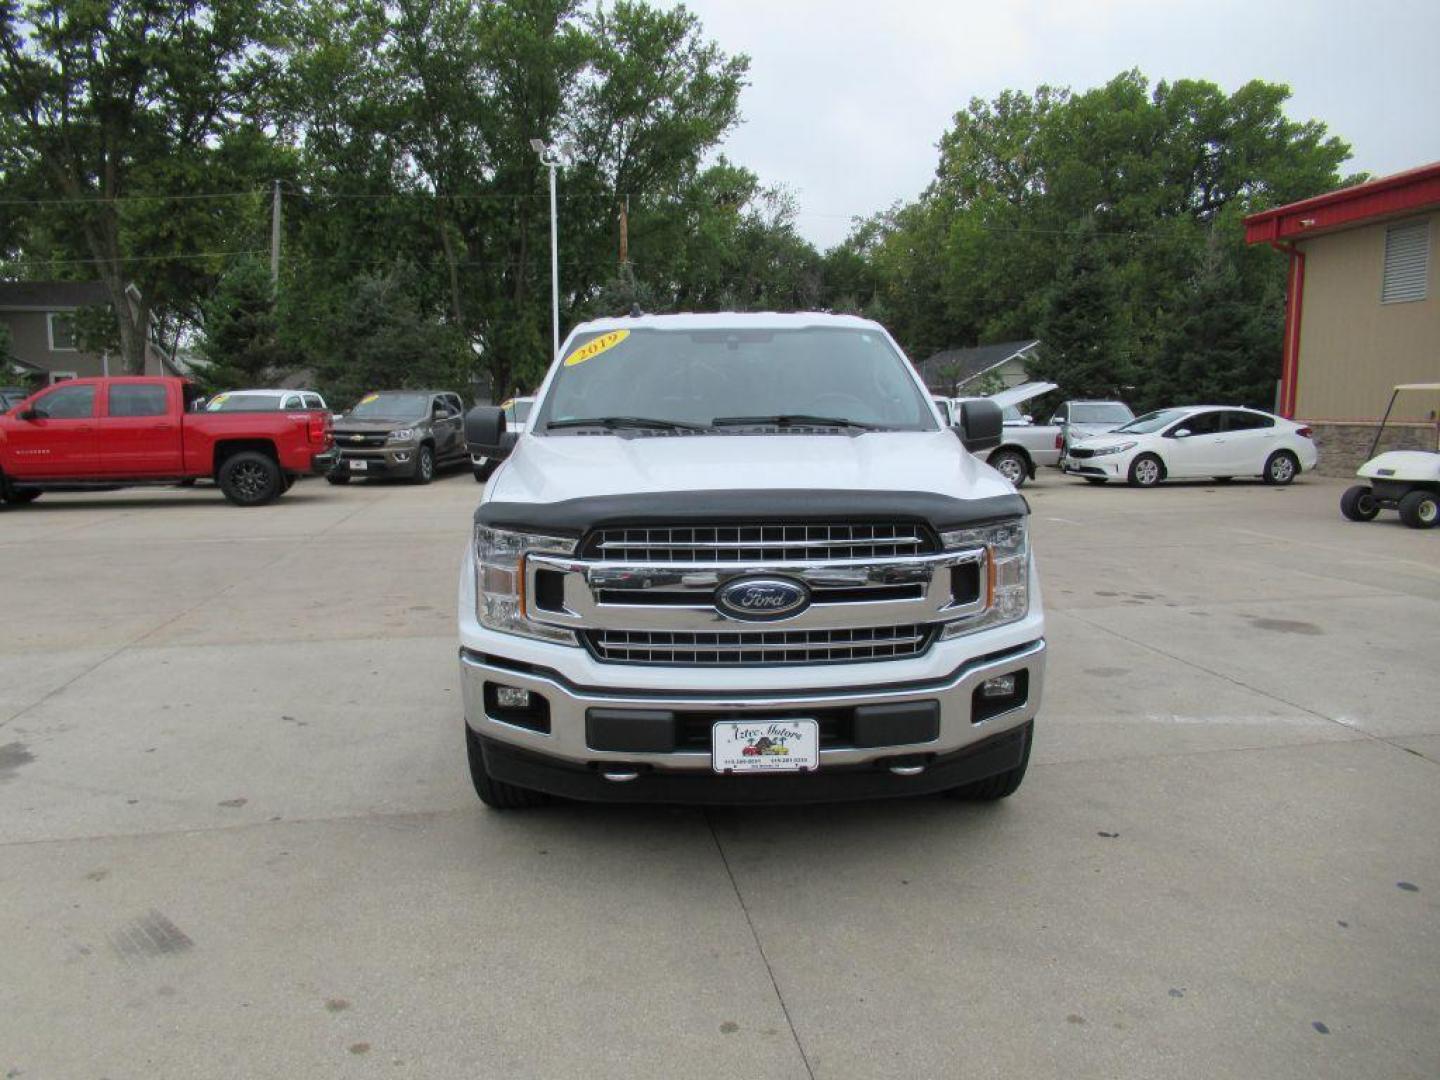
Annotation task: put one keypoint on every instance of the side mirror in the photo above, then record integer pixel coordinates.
(28, 414)
(485, 430)
(1182, 433)
(1057, 421)
(1027, 419)
(982, 425)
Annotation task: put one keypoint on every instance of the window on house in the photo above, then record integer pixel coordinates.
(62, 331)
(1407, 263)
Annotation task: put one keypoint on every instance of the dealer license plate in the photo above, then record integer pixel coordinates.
(359, 466)
(765, 746)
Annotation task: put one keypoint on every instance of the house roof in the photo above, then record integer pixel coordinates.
(1389, 196)
(961, 365)
(52, 295)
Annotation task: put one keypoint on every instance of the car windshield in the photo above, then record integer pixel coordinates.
(243, 402)
(392, 407)
(1153, 421)
(1100, 412)
(852, 376)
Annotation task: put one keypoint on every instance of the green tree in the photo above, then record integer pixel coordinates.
(241, 345)
(1083, 332)
(130, 113)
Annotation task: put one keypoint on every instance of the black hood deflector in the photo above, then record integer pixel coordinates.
(574, 517)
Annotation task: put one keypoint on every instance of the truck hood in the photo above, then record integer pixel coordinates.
(914, 474)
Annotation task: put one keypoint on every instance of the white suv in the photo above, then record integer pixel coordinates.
(740, 559)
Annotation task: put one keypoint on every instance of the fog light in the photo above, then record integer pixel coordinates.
(402, 456)
(513, 697)
(1000, 686)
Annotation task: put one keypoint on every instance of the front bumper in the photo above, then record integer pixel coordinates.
(562, 761)
(1111, 466)
(388, 461)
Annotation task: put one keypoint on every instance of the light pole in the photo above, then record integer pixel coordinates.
(553, 158)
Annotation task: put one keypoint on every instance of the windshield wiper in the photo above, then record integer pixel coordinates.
(613, 422)
(794, 420)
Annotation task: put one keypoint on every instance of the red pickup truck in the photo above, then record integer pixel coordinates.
(101, 434)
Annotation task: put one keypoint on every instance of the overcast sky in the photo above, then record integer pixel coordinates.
(847, 99)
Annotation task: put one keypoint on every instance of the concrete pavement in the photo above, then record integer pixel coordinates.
(237, 838)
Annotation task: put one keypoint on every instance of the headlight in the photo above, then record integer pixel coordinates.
(404, 434)
(1007, 574)
(500, 581)
(1117, 449)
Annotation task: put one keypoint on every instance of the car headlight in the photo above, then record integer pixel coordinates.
(1119, 448)
(1007, 574)
(403, 434)
(500, 581)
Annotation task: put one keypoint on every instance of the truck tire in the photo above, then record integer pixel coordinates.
(1358, 503)
(21, 496)
(1147, 470)
(496, 794)
(424, 465)
(1281, 468)
(1000, 786)
(1420, 509)
(1012, 465)
(250, 478)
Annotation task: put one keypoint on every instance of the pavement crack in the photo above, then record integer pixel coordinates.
(759, 946)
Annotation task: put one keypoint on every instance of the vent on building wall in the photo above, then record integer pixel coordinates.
(1407, 262)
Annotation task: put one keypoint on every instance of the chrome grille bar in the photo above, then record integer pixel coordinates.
(759, 647)
(750, 543)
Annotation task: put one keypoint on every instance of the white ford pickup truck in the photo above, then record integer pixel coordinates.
(740, 559)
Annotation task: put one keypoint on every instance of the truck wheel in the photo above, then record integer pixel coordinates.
(1358, 503)
(1146, 471)
(1281, 468)
(21, 496)
(1000, 786)
(1420, 510)
(496, 794)
(424, 466)
(1011, 465)
(250, 478)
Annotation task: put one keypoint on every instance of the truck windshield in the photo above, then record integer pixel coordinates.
(1100, 412)
(694, 377)
(392, 407)
(243, 402)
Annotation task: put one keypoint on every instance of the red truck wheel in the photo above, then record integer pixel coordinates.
(250, 479)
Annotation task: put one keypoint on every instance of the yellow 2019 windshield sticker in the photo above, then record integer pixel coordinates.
(596, 346)
(369, 398)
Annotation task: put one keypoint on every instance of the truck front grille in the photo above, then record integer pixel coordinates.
(758, 543)
(758, 648)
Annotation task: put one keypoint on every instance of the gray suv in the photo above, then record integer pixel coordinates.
(400, 433)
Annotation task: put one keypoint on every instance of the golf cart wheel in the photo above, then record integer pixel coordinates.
(496, 794)
(1420, 509)
(1095, 479)
(1358, 503)
(1281, 468)
(1147, 470)
(1001, 786)
(1012, 465)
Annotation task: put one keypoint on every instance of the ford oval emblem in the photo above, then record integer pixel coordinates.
(757, 599)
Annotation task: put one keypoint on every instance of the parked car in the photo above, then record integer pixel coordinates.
(731, 533)
(265, 400)
(404, 433)
(1198, 440)
(1081, 419)
(1024, 446)
(1407, 481)
(103, 434)
(517, 418)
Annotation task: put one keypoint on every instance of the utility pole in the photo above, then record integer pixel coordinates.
(275, 242)
(553, 158)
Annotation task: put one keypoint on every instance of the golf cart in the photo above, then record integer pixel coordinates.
(1403, 480)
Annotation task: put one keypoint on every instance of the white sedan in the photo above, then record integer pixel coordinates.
(1195, 441)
